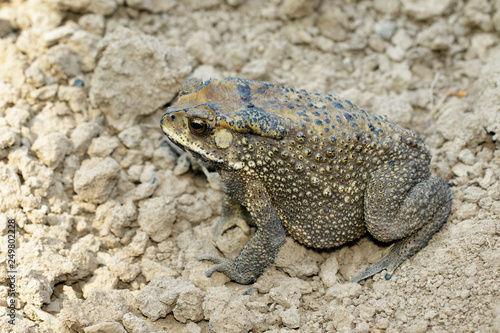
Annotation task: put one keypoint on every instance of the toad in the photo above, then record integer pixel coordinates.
(313, 166)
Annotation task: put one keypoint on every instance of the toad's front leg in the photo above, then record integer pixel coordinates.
(232, 216)
(262, 249)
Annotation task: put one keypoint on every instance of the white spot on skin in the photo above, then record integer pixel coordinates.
(238, 165)
(223, 138)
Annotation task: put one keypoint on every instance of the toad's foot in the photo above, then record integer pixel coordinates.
(389, 263)
(232, 268)
(227, 222)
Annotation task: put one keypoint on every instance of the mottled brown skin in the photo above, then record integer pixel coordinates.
(314, 166)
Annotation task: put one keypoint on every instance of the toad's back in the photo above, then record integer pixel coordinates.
(318, 173)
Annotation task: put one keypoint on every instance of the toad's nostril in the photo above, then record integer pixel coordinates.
(172, 116)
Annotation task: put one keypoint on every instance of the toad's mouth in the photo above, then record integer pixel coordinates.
(196, 154)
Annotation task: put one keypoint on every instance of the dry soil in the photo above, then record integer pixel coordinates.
(110, 219)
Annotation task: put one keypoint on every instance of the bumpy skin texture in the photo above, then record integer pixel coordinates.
(314, 166)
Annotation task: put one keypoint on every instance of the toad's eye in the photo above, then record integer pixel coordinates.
(198, 126)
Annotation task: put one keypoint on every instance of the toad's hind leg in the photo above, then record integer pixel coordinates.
(413, 220)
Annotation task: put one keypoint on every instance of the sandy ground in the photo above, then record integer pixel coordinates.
(109, 218)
